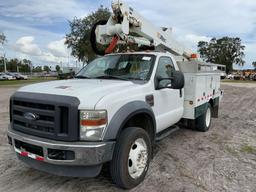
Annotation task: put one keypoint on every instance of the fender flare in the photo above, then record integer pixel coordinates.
(124, 114)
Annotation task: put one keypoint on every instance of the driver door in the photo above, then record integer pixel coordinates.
(168, 106)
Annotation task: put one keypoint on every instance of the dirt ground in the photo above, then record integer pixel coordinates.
(223, 159)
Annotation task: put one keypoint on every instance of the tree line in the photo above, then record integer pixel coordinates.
(24, 66)
(224, 50)
(16, 65)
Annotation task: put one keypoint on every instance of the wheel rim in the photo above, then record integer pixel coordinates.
(208, 117)
(138, 157)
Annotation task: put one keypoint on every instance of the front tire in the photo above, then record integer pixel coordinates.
(203, 123)
(131, 157)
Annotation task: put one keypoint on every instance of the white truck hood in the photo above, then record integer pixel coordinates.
(88, 91)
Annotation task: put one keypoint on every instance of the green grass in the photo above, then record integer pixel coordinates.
(237, 81)
(248, 149)
(24, 82)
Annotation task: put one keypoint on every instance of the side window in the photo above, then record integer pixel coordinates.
(165, 67)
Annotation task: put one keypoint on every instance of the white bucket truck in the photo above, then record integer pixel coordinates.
(117, 107)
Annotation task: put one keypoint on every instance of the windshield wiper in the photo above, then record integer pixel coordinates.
(82, 77)
(136, 79)
(110, 77)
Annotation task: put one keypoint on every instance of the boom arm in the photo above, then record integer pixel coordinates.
(126, 26)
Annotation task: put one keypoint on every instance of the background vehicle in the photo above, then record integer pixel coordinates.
(117, 107)
(18, 76)
(254, 78)
(6, 76)
(2, 76)
(223, 74)
(230, 76)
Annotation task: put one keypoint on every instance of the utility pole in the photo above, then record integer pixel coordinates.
(31, 68)
(5, 70)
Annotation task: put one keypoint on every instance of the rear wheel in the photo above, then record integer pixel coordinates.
(203, 123)
(131, 158)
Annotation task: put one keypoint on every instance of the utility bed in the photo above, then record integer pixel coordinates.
(202, 84)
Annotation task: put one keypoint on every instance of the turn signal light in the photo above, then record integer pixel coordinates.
(93, 122)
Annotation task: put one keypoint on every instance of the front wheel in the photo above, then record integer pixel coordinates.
(203, 123)
(131, 158)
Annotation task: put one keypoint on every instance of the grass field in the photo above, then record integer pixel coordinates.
(24, 82)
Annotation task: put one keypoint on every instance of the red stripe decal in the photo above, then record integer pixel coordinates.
(24, 153)
(39, 158)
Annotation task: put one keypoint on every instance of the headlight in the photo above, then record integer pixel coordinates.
(92, 125)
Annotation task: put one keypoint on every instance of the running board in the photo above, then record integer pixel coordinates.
(161, 135)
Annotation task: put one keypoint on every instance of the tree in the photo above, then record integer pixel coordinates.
(2, 42)
(2, 39)
(26, 61)
(57, 68)
(37, 69)
(47, 68)
(12, 64)
(26, 65)
(226, 51)
(254, 64)
(79, 37)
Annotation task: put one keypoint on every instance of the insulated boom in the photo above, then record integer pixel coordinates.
(127, 26)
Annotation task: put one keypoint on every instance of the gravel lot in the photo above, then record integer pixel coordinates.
(223, 159)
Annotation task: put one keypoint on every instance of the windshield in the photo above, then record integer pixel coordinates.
(123, 67)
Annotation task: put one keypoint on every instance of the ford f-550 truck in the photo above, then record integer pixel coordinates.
(115, 109)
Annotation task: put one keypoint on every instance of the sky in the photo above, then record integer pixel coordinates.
(36, 29)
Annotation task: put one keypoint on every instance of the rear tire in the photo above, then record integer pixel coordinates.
(131, 157)
(203, 123)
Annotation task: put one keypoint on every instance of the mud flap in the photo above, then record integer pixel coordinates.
(215, 108)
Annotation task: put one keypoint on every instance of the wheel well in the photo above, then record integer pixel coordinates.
(142, 120)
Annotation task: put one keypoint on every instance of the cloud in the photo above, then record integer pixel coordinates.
(26, 45)
(201, 16)
(191, 40)
(46, 11)
(58, 48)
(9, 27)
(27, 48)
(250, 54)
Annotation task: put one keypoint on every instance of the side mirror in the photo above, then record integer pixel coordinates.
(178, 80)
(175, 82)
(163, 83)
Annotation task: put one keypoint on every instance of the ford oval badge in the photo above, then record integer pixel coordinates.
(30, 116)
